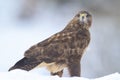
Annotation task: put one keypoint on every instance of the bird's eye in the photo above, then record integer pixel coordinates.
(87, 15)
(78, 15)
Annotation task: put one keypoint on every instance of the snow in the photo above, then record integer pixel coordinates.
(24, 75)
(115, 76)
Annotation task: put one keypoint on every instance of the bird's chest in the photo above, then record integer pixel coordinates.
(77, 44)
(77, 41)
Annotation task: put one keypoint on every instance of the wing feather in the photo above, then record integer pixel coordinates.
(57, 46)
(49, 45)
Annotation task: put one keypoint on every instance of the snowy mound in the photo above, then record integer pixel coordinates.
(23, 75)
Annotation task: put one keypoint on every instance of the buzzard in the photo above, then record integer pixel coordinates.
(63, 49)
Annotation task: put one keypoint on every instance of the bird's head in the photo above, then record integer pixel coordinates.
(84, 18)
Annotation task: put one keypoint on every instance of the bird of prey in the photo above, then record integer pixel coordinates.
(63, 49)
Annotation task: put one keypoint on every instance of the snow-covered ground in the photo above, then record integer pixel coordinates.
(23, 75)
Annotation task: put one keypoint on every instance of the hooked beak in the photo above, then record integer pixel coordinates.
(83, 18)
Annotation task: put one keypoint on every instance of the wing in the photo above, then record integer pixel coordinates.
(53, 45)
(58, 46)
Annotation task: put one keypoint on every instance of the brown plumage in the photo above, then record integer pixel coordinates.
(63, 49)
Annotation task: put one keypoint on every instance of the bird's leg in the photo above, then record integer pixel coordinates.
(74, 67)
(58, 73)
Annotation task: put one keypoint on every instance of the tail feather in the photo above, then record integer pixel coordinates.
(25, 64)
